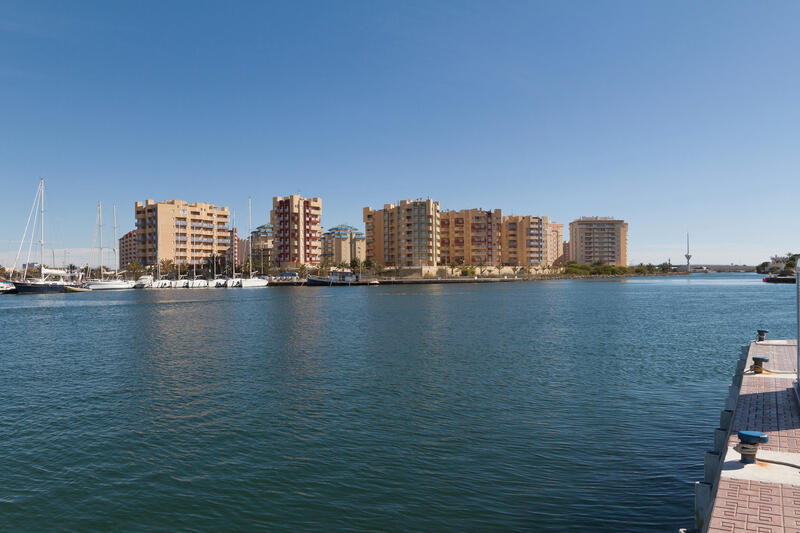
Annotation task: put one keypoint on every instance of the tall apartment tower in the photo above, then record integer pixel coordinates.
(342, 244)
(263, 241)
(593, 239)
(555, 244)
(532, 241)
(183, 233)
(406, 234)
(296, 225)
(127, 249)
(524, 240)
(471, 237)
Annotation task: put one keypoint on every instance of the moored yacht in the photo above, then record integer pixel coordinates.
(144, 282)
(251, 282)
(50, 280)
(109, 284)
(6, 287)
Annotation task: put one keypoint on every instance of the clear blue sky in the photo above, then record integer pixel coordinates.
(676, 116)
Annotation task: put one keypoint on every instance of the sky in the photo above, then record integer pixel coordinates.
(674, 116)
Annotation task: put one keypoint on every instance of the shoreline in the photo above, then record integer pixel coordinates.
(544, 277)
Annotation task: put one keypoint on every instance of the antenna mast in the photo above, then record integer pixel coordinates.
(688, 256)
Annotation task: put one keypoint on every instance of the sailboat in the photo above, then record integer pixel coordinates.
(108, 284)
(251, 282)
(233, 281)
(47, 281)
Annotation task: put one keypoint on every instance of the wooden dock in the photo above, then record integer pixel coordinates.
(765, 496)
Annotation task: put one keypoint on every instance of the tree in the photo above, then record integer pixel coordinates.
(355, 264)
(481, 267)
(302, 271)
(135, 268)
(453, 265)
(167, 267)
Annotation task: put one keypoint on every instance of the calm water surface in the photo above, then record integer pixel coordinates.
(551, 406)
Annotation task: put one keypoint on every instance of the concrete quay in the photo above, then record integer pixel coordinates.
(763, 496)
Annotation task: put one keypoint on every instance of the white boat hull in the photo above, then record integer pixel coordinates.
(114, 284)
(252, 283)
(162, 284)
(198, 284)
(234, 282)
(144, 282)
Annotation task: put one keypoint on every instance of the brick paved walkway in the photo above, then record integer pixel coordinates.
(768, 404)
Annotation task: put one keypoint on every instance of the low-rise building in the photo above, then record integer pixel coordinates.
(342, 244)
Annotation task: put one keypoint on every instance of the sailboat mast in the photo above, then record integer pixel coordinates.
(116, 261)
(41, 238)
(100, 229)
(250, 232)
(234, 245)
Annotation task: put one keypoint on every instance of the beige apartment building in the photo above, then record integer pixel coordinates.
(531, 241)
(593, 239)
(406, 234)
(342, 244)
(555, 246)
(127, 249)
(263, 241)
(471, 237)
(180, 232)
(297, 230)
(524, 240)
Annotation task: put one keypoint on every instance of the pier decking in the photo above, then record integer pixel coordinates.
(764, 496)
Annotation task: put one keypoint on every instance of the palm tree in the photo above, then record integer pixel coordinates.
(167, 266)
(355, 264)
(481, 267)
(135, 268)
(302, 271)
(453, 265)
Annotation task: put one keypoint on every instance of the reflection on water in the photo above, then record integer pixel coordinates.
(549, 406)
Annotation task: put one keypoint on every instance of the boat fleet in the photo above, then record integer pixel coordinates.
(55, 280)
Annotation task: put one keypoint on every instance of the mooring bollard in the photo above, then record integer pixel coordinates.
(748, 445)
(758, 364)
(762, 334)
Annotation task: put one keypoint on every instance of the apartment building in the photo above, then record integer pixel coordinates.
(593, 239)
(531, 240)
(555, 245)
(524, 240)
(127, 249)
(297, 230)
(342, 244)
(262, 239)
(405, 234)
(471, 237)
(180, 232)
